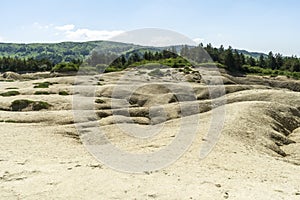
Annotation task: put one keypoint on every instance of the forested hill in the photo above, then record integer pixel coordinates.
(68, 51)
(68, 56)
(61, 52)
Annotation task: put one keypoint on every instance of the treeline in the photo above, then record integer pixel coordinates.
(139, 57)
(233, 60)
(61, 52)
(25, 65)
(33, 65)
(236, 61)
(129, 58)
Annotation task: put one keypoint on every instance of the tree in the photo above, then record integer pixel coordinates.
(271, 61)
(278, 60)
(237, 60)
(251, 61)
(229, 59)
(261, 61)
(243, 59)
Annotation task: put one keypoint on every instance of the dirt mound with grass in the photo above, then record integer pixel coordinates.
(12, 76)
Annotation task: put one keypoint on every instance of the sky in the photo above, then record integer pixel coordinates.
(254, 25)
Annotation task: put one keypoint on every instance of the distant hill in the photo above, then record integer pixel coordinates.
(67, 51)
(252, 54)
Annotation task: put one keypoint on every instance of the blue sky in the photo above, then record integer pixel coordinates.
(255, 25)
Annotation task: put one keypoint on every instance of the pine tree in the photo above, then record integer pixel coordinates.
(229, 59)
(261, 61)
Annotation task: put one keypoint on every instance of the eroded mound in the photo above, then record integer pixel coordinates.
(260, 115)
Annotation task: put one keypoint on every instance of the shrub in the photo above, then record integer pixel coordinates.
(156, 73)
(10, 93)
(99, 101)
(63, 93)
(21, 104)
(65, 67)
(113, 69)
(39, 105)
(42, 85)
(270, 72)
(187, 70)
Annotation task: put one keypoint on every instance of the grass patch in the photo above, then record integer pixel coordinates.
(39, 105)
(42, 93)
(10, 121)
(7, 80)
(99, 101)
(212, 65)
(19, 105)
(272, 73)
(63, 93)
(156, 73)
(10, 93)
(43, 84)
(12, 88)
(113, 69)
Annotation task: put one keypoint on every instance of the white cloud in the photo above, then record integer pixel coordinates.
(69, 32)
(67, 27)
(198, 40)
(87, 34)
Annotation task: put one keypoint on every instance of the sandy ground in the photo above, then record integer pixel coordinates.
(257, 154)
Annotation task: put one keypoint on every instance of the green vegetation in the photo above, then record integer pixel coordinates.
(42, 57)
(273, 73)
(10, 93)
(136, 58)
(17, 64)
(65, 67)
(186, 70)
(61, 52)
(156, 73)
(19, 105)
(10, 121)
(99, 101)
(11, 88)
(39, 105)
(102, 56)
(233, 60)
(212, 64)
(42, 93)
(43, 84)
(63, 93)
